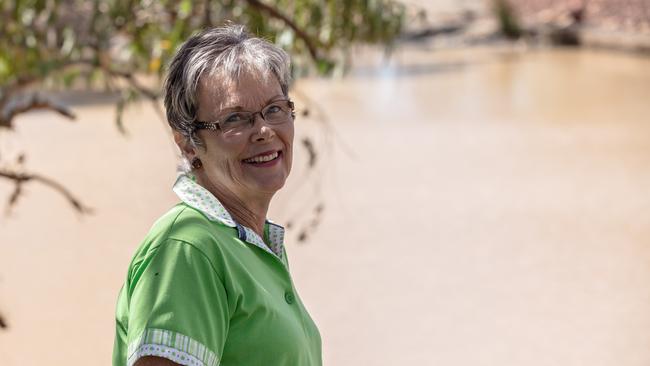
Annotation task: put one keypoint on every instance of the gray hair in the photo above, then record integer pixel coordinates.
(227, 50)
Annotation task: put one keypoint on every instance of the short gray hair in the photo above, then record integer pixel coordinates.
(227, 50)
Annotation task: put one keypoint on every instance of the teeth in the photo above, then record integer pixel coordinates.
(262, 159)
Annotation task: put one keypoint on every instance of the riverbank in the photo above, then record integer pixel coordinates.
(601, 24)
(608, 24)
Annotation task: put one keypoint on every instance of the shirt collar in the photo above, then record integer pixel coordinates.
(199, 198)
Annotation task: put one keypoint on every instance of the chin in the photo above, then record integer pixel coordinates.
(271, 187)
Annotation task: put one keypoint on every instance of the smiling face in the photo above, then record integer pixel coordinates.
(252, 163)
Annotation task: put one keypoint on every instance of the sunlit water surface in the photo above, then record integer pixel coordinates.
(481, 207)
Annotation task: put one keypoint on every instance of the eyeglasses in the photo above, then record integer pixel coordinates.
(275, 113)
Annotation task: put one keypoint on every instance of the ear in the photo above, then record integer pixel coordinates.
(184, 145)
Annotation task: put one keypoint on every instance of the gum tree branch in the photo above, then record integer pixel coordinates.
(133, 82)
(13, 104)
(21, 178)
(24, 81)
(16, 85)
(29, 103)
(275, 13)
(8, 111)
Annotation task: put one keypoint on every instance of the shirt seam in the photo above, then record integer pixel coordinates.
(167, 237)
(170, 240)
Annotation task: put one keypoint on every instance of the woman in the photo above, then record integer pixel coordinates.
(210, 283)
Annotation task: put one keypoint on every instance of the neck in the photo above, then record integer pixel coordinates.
(248, 211)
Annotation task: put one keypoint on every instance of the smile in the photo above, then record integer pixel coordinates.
(263, 158)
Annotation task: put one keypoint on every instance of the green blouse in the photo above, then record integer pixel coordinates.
(203, 290)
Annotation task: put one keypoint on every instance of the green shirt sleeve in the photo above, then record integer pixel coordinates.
(178, 307)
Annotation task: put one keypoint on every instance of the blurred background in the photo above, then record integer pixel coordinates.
(471, 184)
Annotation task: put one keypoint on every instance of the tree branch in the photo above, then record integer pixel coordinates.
(8, 112)
(35, 101)
(26, 80)
(21, 178)
(275, 13)
(150, 94)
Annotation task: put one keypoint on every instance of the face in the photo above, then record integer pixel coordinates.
(236, 163)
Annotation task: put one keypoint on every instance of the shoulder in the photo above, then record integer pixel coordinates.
(184, 224)
(186, 227)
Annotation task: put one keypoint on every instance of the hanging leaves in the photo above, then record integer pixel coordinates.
(141, 36)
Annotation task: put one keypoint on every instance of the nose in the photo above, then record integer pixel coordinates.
(261, 131)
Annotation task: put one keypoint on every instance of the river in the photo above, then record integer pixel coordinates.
(480, 207)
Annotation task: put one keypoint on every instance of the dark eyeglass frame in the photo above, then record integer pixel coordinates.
(216, 125)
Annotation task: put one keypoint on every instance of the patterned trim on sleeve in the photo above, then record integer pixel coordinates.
(172, 346)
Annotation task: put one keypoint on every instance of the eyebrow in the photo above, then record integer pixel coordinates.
(240, 108)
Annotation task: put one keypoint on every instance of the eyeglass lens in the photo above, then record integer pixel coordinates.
(275, 113)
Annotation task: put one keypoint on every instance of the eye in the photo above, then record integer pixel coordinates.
(235, 118)
(273, 109)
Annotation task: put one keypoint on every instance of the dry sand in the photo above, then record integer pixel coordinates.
(481, 208)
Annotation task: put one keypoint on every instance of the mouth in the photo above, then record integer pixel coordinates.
(267, 158)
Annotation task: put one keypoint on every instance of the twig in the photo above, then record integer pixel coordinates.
(150, 94)
(35, 101)
(17, 84)
(275, 13)
(322, 117)
(7, 90)
(21, 178)
(24, 81)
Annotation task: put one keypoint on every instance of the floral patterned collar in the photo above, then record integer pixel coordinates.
(199, 198)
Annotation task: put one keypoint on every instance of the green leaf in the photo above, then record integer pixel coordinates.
(184, 8)
(119, 116)
(325, 67)
(5, 68)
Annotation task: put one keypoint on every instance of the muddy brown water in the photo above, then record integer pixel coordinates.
(482, 207)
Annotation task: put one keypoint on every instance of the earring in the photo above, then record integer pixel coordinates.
(196, 163)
